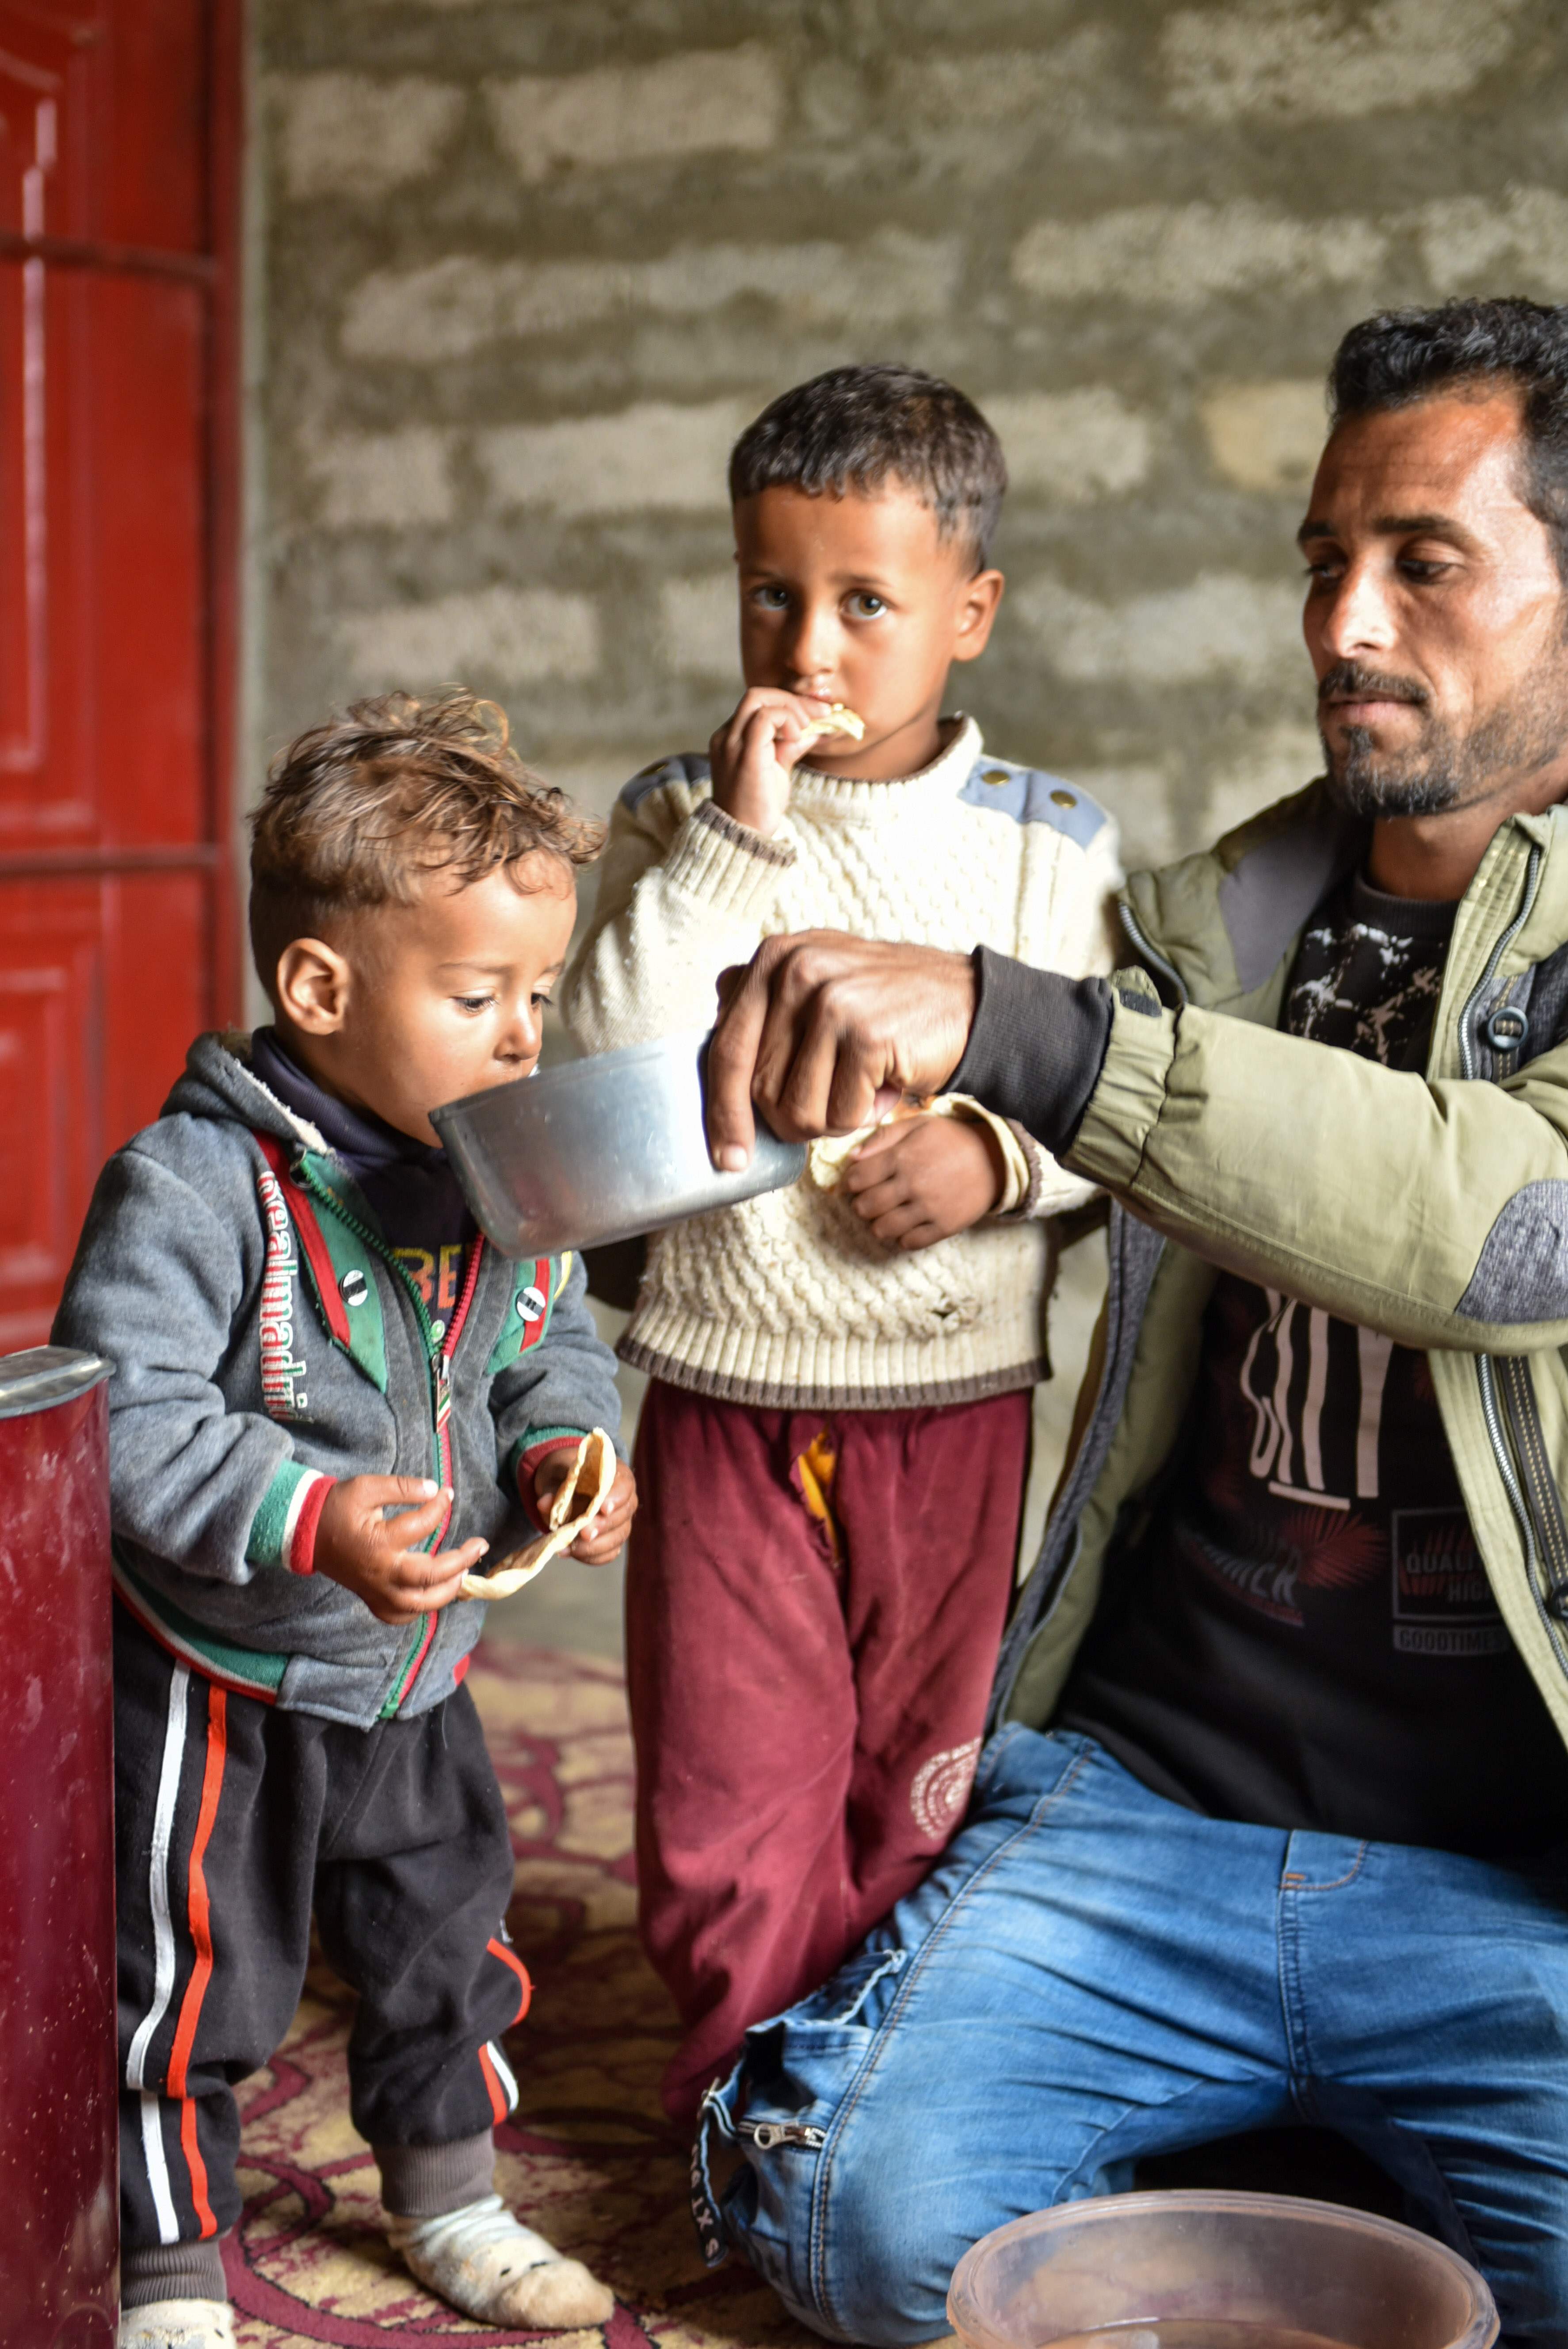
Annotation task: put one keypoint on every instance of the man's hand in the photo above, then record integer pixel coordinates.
(826, 1033)
(607, 1534)
(923, 1179)
(753, 756)
(375, 1556)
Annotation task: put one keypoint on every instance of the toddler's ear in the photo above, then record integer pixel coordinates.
(312, 983)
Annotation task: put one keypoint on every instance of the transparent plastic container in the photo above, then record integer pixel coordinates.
(1198, 2271)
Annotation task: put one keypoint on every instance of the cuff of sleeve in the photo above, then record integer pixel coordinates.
(526, 1460)
(283, 1531)
(1015, 1159)
(730, 868)
(1036, 1046)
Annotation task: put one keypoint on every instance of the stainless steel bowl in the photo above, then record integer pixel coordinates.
(598, 1150)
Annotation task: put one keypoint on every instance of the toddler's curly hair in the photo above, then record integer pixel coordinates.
(362, 811)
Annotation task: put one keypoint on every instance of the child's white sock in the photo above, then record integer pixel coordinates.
(177, 2324)
(486, 2263)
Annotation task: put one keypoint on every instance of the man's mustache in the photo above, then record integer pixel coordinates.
(1349, 680)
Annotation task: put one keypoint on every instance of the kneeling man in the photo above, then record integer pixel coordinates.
(1274, 1826)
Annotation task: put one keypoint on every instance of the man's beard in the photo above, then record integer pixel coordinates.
(1443, 769)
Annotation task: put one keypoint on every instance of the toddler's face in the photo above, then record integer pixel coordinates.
(420, 1004)
(857, 599)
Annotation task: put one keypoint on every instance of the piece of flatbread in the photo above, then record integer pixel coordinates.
(575, 1505)
(826, 1158)
(839, 721)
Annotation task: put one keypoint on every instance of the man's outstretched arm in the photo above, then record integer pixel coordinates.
(1437, 1213)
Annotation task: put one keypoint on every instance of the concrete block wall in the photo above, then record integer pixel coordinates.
(528, 265)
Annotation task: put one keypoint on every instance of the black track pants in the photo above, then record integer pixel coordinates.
(232, 1818)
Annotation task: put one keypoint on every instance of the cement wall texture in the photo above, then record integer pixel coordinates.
(530, 264)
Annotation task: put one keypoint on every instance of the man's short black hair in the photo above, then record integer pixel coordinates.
(1401, 356)
(855, 425)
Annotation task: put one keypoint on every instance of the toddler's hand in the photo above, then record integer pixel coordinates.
(375, 1556)
(923, 1179)
(753, 756)
(607, 1534)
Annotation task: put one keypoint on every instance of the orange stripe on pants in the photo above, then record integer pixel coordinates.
(199, 1910)
(498, 1950)
(497, 2095)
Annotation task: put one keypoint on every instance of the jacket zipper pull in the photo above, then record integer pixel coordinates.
(441, 1380)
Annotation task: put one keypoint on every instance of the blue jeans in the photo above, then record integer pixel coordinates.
(1091, 1974)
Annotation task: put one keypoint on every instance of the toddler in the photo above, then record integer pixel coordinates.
(330, 1397)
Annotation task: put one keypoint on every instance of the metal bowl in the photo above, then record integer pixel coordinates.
(599, 1150)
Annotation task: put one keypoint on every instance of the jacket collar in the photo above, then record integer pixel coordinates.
(1227, 919)
(220, 1082)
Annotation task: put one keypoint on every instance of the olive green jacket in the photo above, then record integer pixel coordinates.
(1432, 1208)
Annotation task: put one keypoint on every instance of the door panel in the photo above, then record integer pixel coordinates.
(116, 494)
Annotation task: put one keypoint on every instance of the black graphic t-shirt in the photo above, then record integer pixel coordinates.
(1306, 1636)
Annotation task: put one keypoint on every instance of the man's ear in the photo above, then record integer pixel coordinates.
(312, 982)
(977, 605)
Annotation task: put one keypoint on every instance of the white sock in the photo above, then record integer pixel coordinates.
(489, 2265)
(177, 2324)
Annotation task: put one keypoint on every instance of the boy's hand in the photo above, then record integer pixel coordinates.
(753, 757)
(923, 1179)
(375, 1556)
(607, 1534)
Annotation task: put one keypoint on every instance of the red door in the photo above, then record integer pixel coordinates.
(117, 147)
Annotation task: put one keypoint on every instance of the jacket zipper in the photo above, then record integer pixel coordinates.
(438, 1353)
(1486, 1370)
(1134, 928)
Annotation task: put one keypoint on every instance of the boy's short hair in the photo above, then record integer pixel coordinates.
(856, 425)
(358, 811)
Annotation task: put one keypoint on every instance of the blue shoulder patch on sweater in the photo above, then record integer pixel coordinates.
(1031, 796)
(686, 767)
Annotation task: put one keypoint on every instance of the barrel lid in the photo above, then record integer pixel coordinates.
(45, 1375)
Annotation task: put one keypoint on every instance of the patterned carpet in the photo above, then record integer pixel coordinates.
(588, 2157)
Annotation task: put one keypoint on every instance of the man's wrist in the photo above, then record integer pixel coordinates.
(1037, 1045)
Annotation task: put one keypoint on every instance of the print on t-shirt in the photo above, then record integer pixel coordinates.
(1350, 1485)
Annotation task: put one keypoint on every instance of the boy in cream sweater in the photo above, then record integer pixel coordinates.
(832, 1453)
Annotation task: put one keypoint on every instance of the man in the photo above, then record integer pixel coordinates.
(1275, 1825)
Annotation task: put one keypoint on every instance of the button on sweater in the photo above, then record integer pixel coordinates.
(788, 1300)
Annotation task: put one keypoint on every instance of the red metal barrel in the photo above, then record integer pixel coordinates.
(60, 2220)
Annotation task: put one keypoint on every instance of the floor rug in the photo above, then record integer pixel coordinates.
(588, 2157)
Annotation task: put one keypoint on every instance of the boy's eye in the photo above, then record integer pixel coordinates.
(864, 606)
(476, 1003)
(772, 599)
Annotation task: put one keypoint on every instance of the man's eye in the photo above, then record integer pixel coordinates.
(867, 606)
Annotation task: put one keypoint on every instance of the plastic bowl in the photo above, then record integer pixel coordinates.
(599, 1150)
(1197, 2271)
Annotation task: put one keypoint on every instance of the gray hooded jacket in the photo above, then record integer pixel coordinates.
(264, 1343)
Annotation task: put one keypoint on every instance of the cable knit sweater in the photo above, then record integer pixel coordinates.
(788, 1300)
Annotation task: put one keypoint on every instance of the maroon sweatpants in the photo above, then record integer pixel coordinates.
(814, 1602)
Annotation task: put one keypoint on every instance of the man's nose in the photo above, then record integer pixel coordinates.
(1358, 616)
